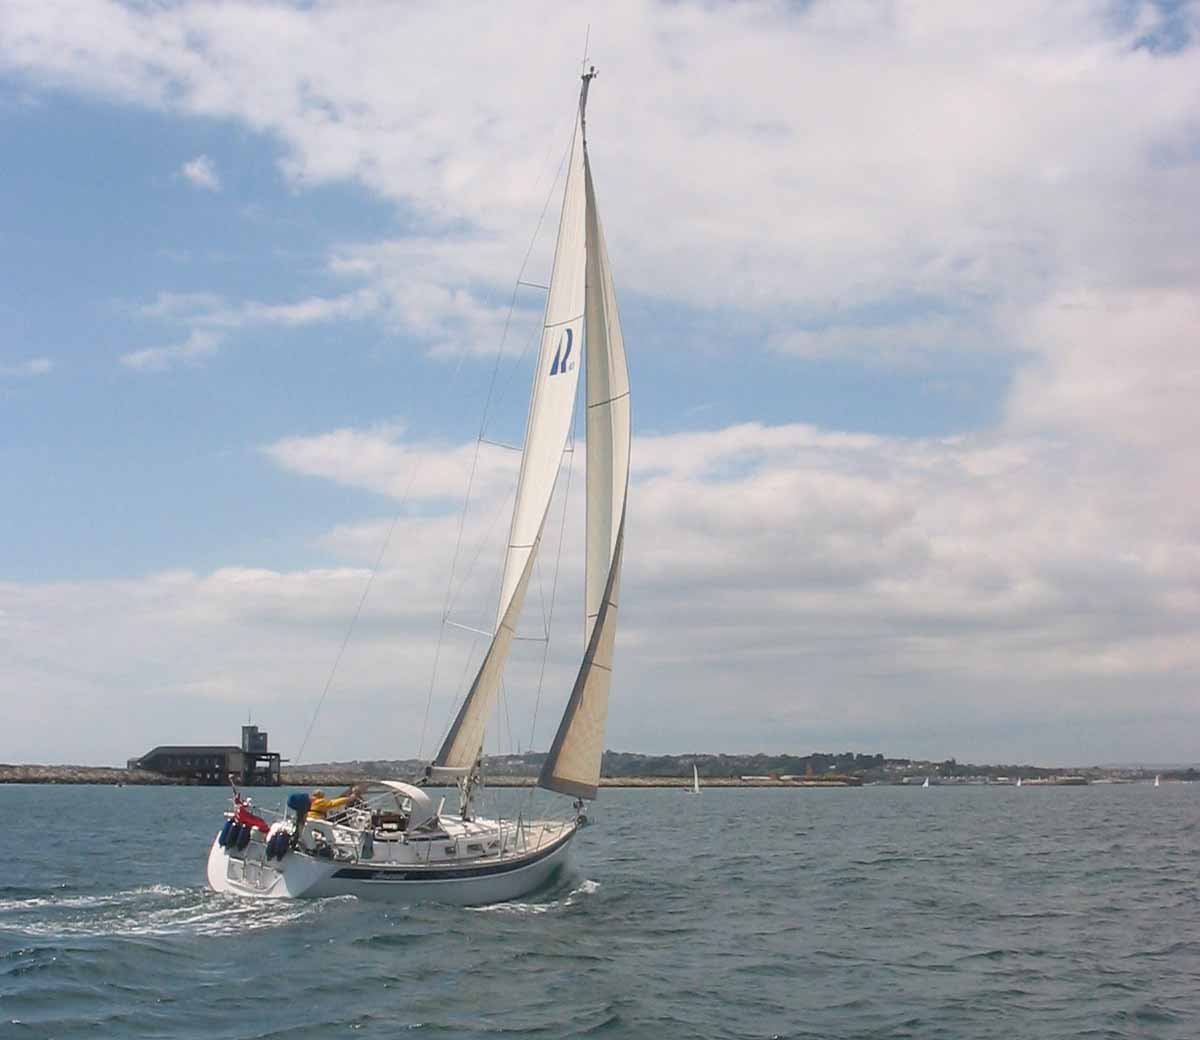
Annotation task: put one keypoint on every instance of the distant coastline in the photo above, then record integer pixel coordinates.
(112, 777)
(336, 774)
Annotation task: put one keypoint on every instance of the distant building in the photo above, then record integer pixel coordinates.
(250, 765)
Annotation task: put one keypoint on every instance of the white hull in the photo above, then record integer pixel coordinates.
(492, 879)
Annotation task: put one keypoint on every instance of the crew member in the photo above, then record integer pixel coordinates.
(321, 806)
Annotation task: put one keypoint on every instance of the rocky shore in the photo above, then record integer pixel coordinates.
(10, 774)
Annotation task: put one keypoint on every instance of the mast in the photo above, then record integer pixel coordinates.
(587, 78)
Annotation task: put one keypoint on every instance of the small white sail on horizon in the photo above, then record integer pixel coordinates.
(926, 783)
(695, 788)
(1157, 779)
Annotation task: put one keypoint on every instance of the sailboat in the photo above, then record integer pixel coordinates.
(926, 783)
(1157, 779)
(695, 788)
(386, 839)
(1018, 781)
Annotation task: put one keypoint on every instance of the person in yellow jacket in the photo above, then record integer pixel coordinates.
(320, 806)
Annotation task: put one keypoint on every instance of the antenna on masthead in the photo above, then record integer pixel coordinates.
(587, 78)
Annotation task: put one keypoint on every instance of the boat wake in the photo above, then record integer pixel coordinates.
(585, 888)
(155, 910)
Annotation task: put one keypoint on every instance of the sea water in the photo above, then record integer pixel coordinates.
(882, 912)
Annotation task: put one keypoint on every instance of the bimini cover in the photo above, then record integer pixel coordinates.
(422, 806)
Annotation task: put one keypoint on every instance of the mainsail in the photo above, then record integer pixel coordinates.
(573, 764)
(550, 408)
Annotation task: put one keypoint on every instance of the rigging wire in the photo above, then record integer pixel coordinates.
(500, 511)
(502, 704)
(568, 455)
(562, 527)
(497, 514)
(412, 479)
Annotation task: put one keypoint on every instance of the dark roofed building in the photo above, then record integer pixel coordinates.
(251, 764)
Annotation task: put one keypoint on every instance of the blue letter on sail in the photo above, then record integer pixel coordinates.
(561, 355)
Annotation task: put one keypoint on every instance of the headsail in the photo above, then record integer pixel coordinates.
(551, 404)
(608, 425)
(573, 764)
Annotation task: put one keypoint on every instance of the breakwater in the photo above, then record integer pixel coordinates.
(18, 774)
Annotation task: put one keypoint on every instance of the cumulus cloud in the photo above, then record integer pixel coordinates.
(767, 567)
(201, 172)
(948, 153)
(997, 594)
(380, 460)
(211, 318)
(934, 179)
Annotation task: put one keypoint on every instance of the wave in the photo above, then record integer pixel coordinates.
(81, 902)
(585, 888)
(150, 911)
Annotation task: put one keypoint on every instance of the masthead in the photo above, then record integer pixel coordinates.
(587, 78)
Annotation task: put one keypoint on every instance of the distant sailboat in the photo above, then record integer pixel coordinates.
(1018, 781)
(926, 784)
(695, 789)
(1157, 779)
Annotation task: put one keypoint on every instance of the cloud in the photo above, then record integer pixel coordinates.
(958, 579)
(409, 285)
(379, 460)
(200, 172)
(38, 366)
(1115, 366)
(211, 318)
(936, 179)
(198, 346)
(214, 311)
(1049, 562)
(444, 291)
(959, 156)
(1026, 592)
(898, 341)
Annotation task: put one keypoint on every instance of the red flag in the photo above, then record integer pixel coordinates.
(244, 815)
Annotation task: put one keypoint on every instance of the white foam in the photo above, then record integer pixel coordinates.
(85, 902)
(586, 888)
(156, 910)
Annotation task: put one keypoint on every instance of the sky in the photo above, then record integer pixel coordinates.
(911, 297)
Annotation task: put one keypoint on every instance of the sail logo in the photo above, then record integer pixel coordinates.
(563, 354)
